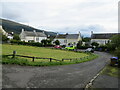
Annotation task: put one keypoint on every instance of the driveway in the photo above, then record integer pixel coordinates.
(64, 76)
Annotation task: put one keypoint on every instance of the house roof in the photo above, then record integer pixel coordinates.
(67, 36)
(103, 36)
(61, 36)
(72, 36)
(38, 34)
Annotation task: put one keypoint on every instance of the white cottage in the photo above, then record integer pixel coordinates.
(66, 39)
(101, 38)
(29, 36)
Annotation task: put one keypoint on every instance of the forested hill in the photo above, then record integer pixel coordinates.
(11, 26)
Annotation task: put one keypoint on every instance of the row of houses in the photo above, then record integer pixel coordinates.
(64, 39)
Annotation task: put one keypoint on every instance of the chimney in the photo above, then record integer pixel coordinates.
(34, 30)
(12, 33)
(22, 30)
(43, 31)
(66, 33)
(80, 37)
(91, 32)
(57, 33)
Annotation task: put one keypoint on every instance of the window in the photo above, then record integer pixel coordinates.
(65, 41)
(37, 38)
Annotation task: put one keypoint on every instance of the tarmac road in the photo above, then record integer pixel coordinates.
(64, 76)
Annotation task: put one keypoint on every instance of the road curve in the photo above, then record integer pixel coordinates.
(64, 76)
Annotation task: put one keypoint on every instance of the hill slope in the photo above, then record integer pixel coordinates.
(11, 26)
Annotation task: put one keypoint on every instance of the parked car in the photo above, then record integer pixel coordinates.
(70, 47)
(58, 46)
(89, 50)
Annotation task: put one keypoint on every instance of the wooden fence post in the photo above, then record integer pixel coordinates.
(62, 59)
(14, 52)
(50, 59)
(33, 59)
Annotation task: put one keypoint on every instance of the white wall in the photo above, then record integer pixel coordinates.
(41, 38)
(62, 41)
(72, 41)
(28, 38)
(100, 41)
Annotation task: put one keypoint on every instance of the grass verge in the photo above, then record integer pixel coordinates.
(22, 61)
(111, 71)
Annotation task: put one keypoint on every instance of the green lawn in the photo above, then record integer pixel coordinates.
(40, 52)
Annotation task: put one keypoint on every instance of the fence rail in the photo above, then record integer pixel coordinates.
(50, 59)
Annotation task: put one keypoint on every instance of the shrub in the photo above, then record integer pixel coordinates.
(101, 48)
(84, 47)
(26, 43)
(95, 44)
(16, 37)
(57, 42)
(4, 38)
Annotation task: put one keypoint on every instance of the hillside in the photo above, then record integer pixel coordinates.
(11, 26)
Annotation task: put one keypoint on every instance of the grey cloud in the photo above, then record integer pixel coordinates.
(11, 12)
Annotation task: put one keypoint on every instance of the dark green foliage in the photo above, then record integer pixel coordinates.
(86, 39)
(57, 42)
(84, 47)
(16, 37)
(31, 43)
(4, 38)
(44, 42)
(79, 44)
(49, 41)
(95, 44)
(26, 43)
(117, 52)
(111, 47)
(115, 43)
(103, 47)
(115, 40)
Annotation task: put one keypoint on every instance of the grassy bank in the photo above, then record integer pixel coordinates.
(111, 71)
(42, 52)
(22, 61)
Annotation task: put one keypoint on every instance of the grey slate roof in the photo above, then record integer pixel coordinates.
(67, 36)
(63, 36)
(72, 36)
(37, 34)
(103, 36)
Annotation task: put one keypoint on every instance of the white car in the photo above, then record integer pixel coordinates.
(89, 50)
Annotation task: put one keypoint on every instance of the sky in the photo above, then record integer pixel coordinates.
(64, 16)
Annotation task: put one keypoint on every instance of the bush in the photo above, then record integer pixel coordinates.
(4, 38)
(16, 37)
(101, 48)
(84, 47)
(95, 44)
(57, 42)
(26, 43)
